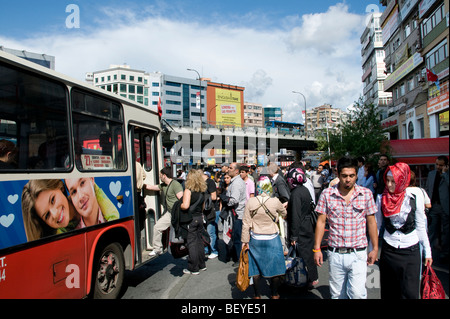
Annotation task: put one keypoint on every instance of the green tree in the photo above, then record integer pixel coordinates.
(361, 135)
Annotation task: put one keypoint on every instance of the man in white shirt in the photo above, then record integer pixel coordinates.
(317, 181)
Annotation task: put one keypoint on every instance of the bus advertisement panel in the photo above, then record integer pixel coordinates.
(35, 209)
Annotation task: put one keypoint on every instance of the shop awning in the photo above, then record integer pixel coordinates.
(419, 151)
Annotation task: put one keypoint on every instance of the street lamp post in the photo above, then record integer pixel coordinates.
(200, 88)
(328, 138)
(305, 109)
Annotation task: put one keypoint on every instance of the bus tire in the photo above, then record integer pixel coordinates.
(108, 272)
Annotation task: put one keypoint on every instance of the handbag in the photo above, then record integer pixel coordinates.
(178, 250)
(206, 239)
(431, 286)
(242, 279)
(296, 274)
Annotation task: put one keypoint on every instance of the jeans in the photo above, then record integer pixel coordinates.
(236, 236)
(348, 274)
(211, 228)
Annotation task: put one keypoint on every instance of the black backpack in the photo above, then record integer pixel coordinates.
(181, 218)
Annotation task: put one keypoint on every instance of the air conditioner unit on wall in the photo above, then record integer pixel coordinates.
(419, 47)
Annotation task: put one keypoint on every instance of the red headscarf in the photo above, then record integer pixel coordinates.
(392, 202)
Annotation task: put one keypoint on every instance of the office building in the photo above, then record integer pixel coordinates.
(272, 113)
(121, 79)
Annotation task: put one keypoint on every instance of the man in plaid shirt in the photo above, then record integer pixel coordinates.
(348, 208)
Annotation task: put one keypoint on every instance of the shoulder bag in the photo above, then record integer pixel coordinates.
(242, 279)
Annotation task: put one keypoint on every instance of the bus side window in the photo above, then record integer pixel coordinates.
(33, 112)
(98, 133)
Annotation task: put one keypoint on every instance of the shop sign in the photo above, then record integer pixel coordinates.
(437, 104)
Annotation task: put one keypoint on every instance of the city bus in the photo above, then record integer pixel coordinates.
(70, 223)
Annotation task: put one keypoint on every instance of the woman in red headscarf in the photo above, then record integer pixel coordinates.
(404, 237)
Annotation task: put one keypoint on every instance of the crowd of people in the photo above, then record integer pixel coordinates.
(368, 214)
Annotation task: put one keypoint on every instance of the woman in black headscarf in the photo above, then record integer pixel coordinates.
(301, 222)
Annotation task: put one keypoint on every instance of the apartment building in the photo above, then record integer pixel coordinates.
(317, 118)
(415, 38)
(253, 114)
(373, 66)
(434, 22)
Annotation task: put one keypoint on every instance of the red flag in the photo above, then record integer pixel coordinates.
(431, 76)
(159, 108)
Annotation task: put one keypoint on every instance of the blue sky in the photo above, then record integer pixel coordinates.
(270, 47)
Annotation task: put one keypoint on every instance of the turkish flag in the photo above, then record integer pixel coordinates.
(160, 108)
(431, 76)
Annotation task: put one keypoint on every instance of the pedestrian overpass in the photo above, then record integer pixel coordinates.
(197, 145)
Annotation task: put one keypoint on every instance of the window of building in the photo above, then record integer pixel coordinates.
(407, 30)
(172, 112)
(437, 55)
(434, 19)
(443, 124)
(402, 89)
(173, 102)
(132, 78)
(421, 128)
(173, 93)
(168, 83)
(410, 84)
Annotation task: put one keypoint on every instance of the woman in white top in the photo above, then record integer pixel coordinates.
(405, 231)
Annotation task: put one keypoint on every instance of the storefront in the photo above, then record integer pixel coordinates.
(420, 154)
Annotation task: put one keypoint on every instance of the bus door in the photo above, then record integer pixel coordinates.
(146, 171)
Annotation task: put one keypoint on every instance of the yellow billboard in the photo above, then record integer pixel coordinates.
(228, 109)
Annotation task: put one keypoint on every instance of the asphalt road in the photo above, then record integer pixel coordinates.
(163, 278)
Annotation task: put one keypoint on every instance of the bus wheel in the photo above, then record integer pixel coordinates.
(109, 272)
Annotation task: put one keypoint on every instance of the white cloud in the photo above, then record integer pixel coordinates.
(331, 33)
(316, 54)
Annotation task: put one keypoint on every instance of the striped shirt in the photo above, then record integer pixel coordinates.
(347, 222)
